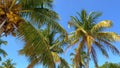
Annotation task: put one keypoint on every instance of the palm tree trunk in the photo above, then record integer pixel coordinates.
(80, 63)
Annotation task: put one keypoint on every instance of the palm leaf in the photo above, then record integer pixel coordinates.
(3, 42)
(111, 36)
(74, 22)
(38, 3)
(89, 41)
(101, 48)
(33, 63)
(102, 24)
(56, 57)
(111, 47)
(94, 56)
(3, 52)
(92, 16)
(36, 40)
(83, 16)
(63, 64)
(80, 32)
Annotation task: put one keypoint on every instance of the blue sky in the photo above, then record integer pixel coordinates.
(65, 9)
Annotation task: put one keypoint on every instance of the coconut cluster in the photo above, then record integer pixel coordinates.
(12, 17)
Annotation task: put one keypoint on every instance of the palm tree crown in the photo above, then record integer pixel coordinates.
(90, 36)
(52, 49)
(8, 64)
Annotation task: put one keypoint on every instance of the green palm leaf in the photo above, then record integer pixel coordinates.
(63, 64)
(35, 41)
(102, 24)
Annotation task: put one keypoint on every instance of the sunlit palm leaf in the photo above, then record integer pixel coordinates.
(56, 57)
(89, 42)
(111, 36)
(80, 31)
(102, 24)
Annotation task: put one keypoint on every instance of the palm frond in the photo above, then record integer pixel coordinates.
(80, 32)
(94, 56)
(93, 16)
(36, 3)
(111, 36)
(101, 48)
(100, 25)
(3, 52)
(83, 16)
(40, 16)
(36, 40)
(3, 42)
(89, 42)
(75, 22)
(56, 26)
(111, 47)
(56, 57)
(33, 63)
(63, 64)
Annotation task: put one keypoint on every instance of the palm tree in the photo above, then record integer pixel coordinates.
(14, 12)
(110, 65)
(38, 13)
(52, 46)
(8, 64)
(1, 50)
(90, 36)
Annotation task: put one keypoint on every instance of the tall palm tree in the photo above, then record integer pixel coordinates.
(1, 50)
(39, 13)
(90, 36)
(52, 46)
(8, 64)
(14, 12)
(110, 65)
